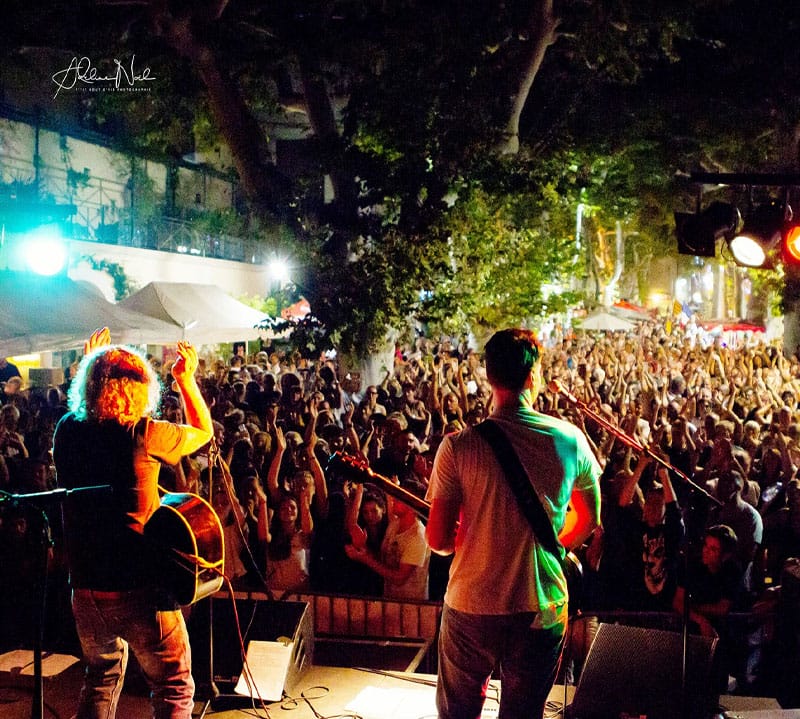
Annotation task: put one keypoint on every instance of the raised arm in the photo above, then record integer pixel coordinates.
(632, 481)
(353, 499)
(350, 434)
(273, 473)
(198, 418)
(310, 442)
(304, 506)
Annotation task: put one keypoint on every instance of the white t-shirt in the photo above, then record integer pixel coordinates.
(499, 567)
(407, 547)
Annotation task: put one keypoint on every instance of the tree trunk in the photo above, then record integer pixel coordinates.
(241, 132)
(619, 264)
(233, 118)
(374, 366)
(542, 26)
(322, 116)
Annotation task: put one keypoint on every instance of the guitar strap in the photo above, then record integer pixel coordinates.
(520, 483)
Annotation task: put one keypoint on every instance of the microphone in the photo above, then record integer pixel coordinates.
(557, 388)
(55, 496)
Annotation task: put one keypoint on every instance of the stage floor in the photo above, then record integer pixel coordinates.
(328, 691)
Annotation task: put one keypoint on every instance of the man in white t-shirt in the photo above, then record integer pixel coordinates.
(505, 607)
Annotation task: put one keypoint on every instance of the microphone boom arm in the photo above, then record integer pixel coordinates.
(556, 387)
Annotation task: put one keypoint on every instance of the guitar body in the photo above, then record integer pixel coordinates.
(187, 535)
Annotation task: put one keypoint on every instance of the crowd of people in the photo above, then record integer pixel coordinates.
(703, 523)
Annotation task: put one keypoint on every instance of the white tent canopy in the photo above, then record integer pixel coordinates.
(202, 314)
(41, 314)
(605, 321)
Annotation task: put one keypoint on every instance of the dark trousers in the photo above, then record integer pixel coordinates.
(472, 646)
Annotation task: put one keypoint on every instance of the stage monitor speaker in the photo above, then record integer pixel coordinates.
(217, 654)
(630, 671)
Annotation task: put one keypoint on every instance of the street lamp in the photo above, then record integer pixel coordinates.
(279, 271)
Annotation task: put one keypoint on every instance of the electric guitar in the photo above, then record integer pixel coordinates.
(187, 535)
(358, 470)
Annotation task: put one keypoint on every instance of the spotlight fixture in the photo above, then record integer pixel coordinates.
(770, 233)
(698, 232)
(791, 243)
(757, 243)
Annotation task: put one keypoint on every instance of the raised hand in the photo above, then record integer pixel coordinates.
(280, 439)
(272, 415)
(359, 554)
(99, 338)
(186, 364)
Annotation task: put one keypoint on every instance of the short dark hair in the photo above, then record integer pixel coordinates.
(326, 373)
(510, 356)
(728, 540)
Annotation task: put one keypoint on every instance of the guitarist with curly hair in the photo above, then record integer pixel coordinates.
(109, 437)
(505, 608)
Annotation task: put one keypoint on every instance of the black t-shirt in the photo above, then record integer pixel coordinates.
(103, 551)
(708, 588)
(660, 546)
(9, 371)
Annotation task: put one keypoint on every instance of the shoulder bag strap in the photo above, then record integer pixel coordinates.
(519, 481)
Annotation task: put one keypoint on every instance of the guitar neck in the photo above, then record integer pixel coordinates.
(360, 472)
(420, 506)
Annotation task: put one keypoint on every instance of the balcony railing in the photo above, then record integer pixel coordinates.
(167, 234)
(103, 213)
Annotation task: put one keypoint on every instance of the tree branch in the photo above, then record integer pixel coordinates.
(543, 26)
(237, 124)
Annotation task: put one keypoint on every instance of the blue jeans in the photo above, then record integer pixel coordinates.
(472, 646)
(107, 626)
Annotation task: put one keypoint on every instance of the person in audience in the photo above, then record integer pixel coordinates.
(8, 369)
(290, 537)
(404, 555)
(743, 519)
(707, 591)
(367, 521)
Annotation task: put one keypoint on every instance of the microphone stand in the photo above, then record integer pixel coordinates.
(557, 388)
(35, 501)
(207, 690)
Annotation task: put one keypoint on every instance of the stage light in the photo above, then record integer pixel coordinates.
(44, 250)
(759, 238)
(791, 243)
(698, 233)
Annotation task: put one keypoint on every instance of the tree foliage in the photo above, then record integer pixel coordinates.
(459, 138)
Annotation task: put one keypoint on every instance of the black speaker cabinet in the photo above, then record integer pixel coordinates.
(630, 671)
(216, 649)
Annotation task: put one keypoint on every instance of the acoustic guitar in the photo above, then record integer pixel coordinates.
(358, 470)
(186, 534)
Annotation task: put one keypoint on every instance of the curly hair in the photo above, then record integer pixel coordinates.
(114, 383)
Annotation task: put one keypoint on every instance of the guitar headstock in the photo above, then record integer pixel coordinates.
(356, 468)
